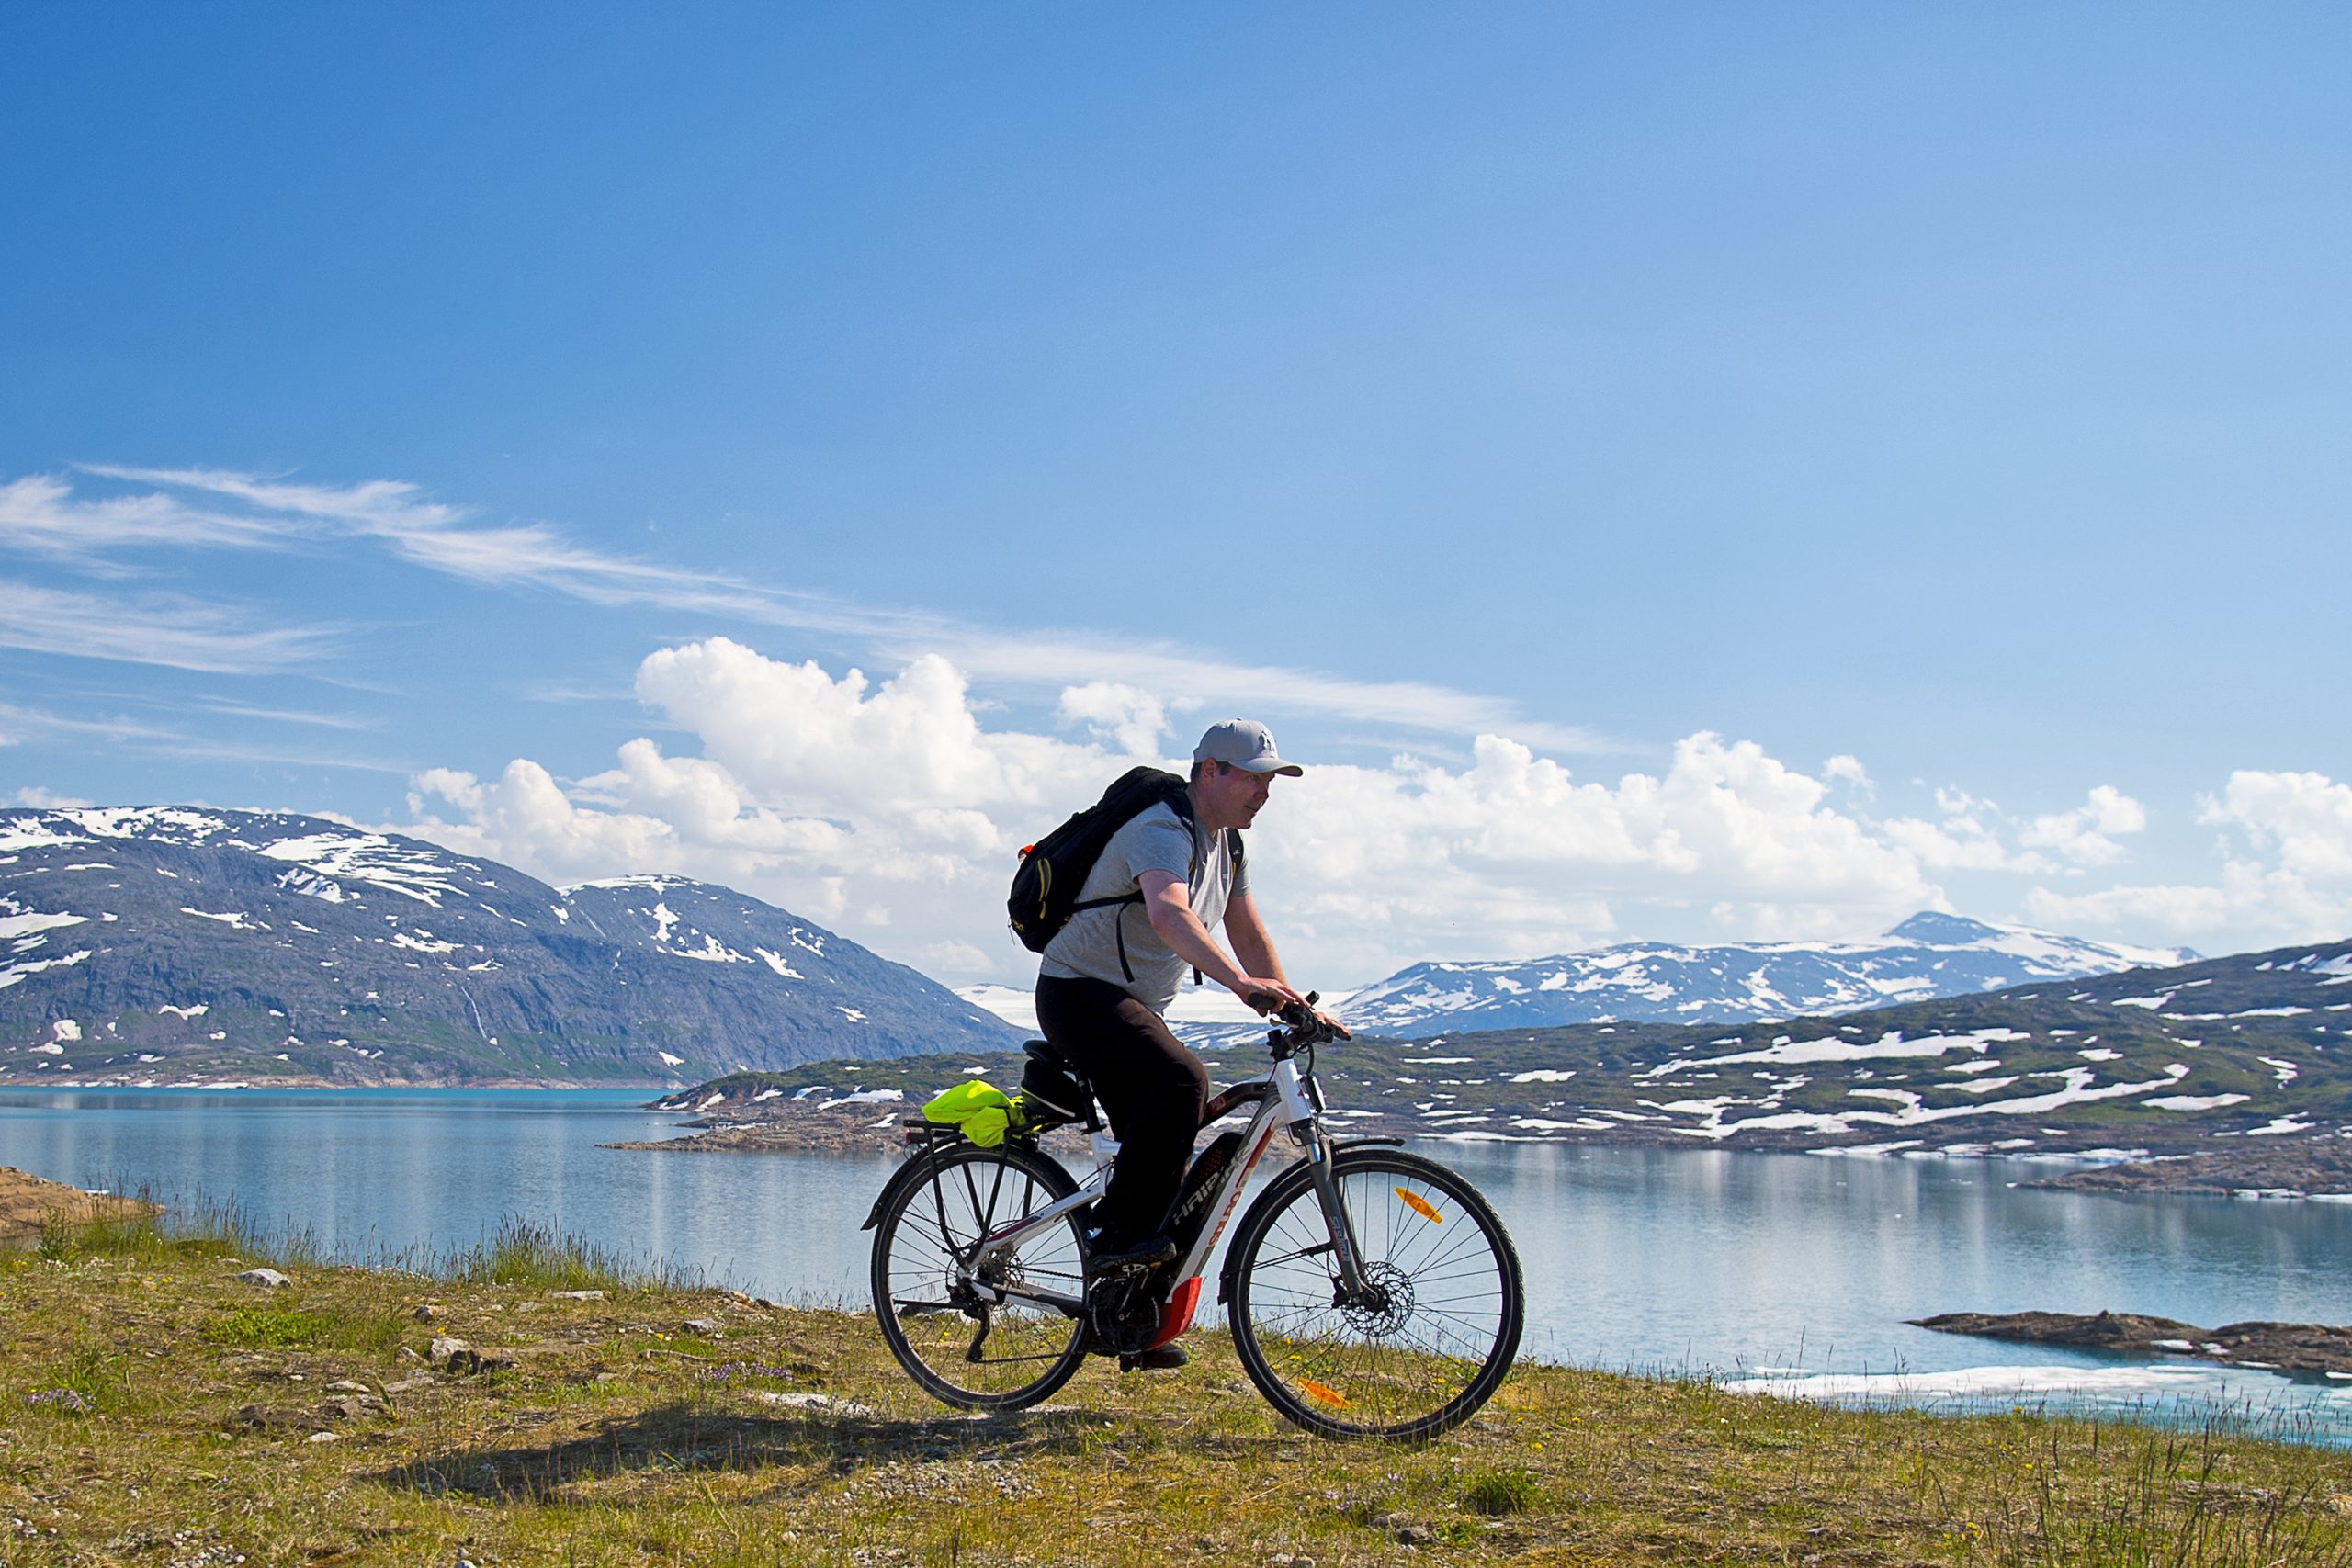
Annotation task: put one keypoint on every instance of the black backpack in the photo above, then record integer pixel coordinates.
(1045, 890)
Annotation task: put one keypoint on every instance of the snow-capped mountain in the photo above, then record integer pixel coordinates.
(168, 944)
(1926, 957)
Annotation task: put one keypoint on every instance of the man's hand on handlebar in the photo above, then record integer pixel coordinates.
(1299, 1012)
(1269, 996)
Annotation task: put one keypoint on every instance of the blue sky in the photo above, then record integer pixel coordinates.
(1680, 396)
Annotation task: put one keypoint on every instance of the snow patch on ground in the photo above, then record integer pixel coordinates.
(335, 859)
(25, 923)
(1831, 1049)
(865, 1097)
(2079, 1085)
(34, 833)
(234, 919)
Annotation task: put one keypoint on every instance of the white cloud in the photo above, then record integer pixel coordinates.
(888, 807)
(1129, 716)
(42, 799)
(1968, 837)
(2305, 818)
(2085, 836)
(2286, 874)
(526, 818)
(1848, 769)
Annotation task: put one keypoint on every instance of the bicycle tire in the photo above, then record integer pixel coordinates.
(977, 1355)
(1432, 1354)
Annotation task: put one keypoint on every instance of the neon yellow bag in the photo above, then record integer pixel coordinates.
(985, 1113)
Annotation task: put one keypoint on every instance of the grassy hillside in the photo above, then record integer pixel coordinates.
(158, 1411)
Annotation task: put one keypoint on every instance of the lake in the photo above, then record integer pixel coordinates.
(1788, 1272)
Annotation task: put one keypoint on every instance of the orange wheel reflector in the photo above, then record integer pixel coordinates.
(1420, 1206)
(1330, 1396)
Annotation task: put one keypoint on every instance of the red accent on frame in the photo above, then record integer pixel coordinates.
(1177, 1315)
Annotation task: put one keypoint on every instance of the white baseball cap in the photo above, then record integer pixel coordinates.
(1246, 744)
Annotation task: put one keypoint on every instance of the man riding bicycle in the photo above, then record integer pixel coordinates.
(1109, 976)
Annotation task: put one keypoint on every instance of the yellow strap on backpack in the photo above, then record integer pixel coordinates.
(983, 1112)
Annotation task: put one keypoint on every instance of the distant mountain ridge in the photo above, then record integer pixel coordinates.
(171, 944)
(2242, 1059)
(1928, 956)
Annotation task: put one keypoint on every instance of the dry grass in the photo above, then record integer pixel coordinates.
(31, 1206)
(153, 1411)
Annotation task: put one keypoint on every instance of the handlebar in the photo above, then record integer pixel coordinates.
(1304, 1026)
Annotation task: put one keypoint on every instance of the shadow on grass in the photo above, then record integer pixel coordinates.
(684, 1438)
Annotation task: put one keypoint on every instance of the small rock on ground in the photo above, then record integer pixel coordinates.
(810, 1402)
(263, 1279)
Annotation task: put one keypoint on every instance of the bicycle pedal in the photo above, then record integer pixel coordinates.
(1148, 1253)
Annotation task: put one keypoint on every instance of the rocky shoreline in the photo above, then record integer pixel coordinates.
(28, 1202)
(2297, 1350)
(2283, 1167)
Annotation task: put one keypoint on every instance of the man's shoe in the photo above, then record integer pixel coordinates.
(1158, 1358)
(1151, 1250)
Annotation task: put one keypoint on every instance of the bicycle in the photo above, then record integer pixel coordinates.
(1371, 1292)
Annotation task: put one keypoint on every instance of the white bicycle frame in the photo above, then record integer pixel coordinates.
(1285, 1099)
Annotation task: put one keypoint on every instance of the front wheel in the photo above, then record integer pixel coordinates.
(979, 1332)
(1430, 1338)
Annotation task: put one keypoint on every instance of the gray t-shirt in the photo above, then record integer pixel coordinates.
(1156, 839)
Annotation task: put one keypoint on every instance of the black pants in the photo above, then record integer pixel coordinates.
(1151, 1086)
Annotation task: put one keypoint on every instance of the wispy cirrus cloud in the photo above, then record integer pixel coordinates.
(164, 630)
(40, 515)
(448, 539)
(286, 716)
(20, 725)
(445, 538)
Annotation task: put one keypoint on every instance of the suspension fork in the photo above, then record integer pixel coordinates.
(1302, 1107)
(1353, 1286)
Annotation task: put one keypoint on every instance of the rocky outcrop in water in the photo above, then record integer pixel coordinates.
(2310, 1349)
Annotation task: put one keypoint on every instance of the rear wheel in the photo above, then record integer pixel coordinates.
(1430, 1338)
(938, 1306)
